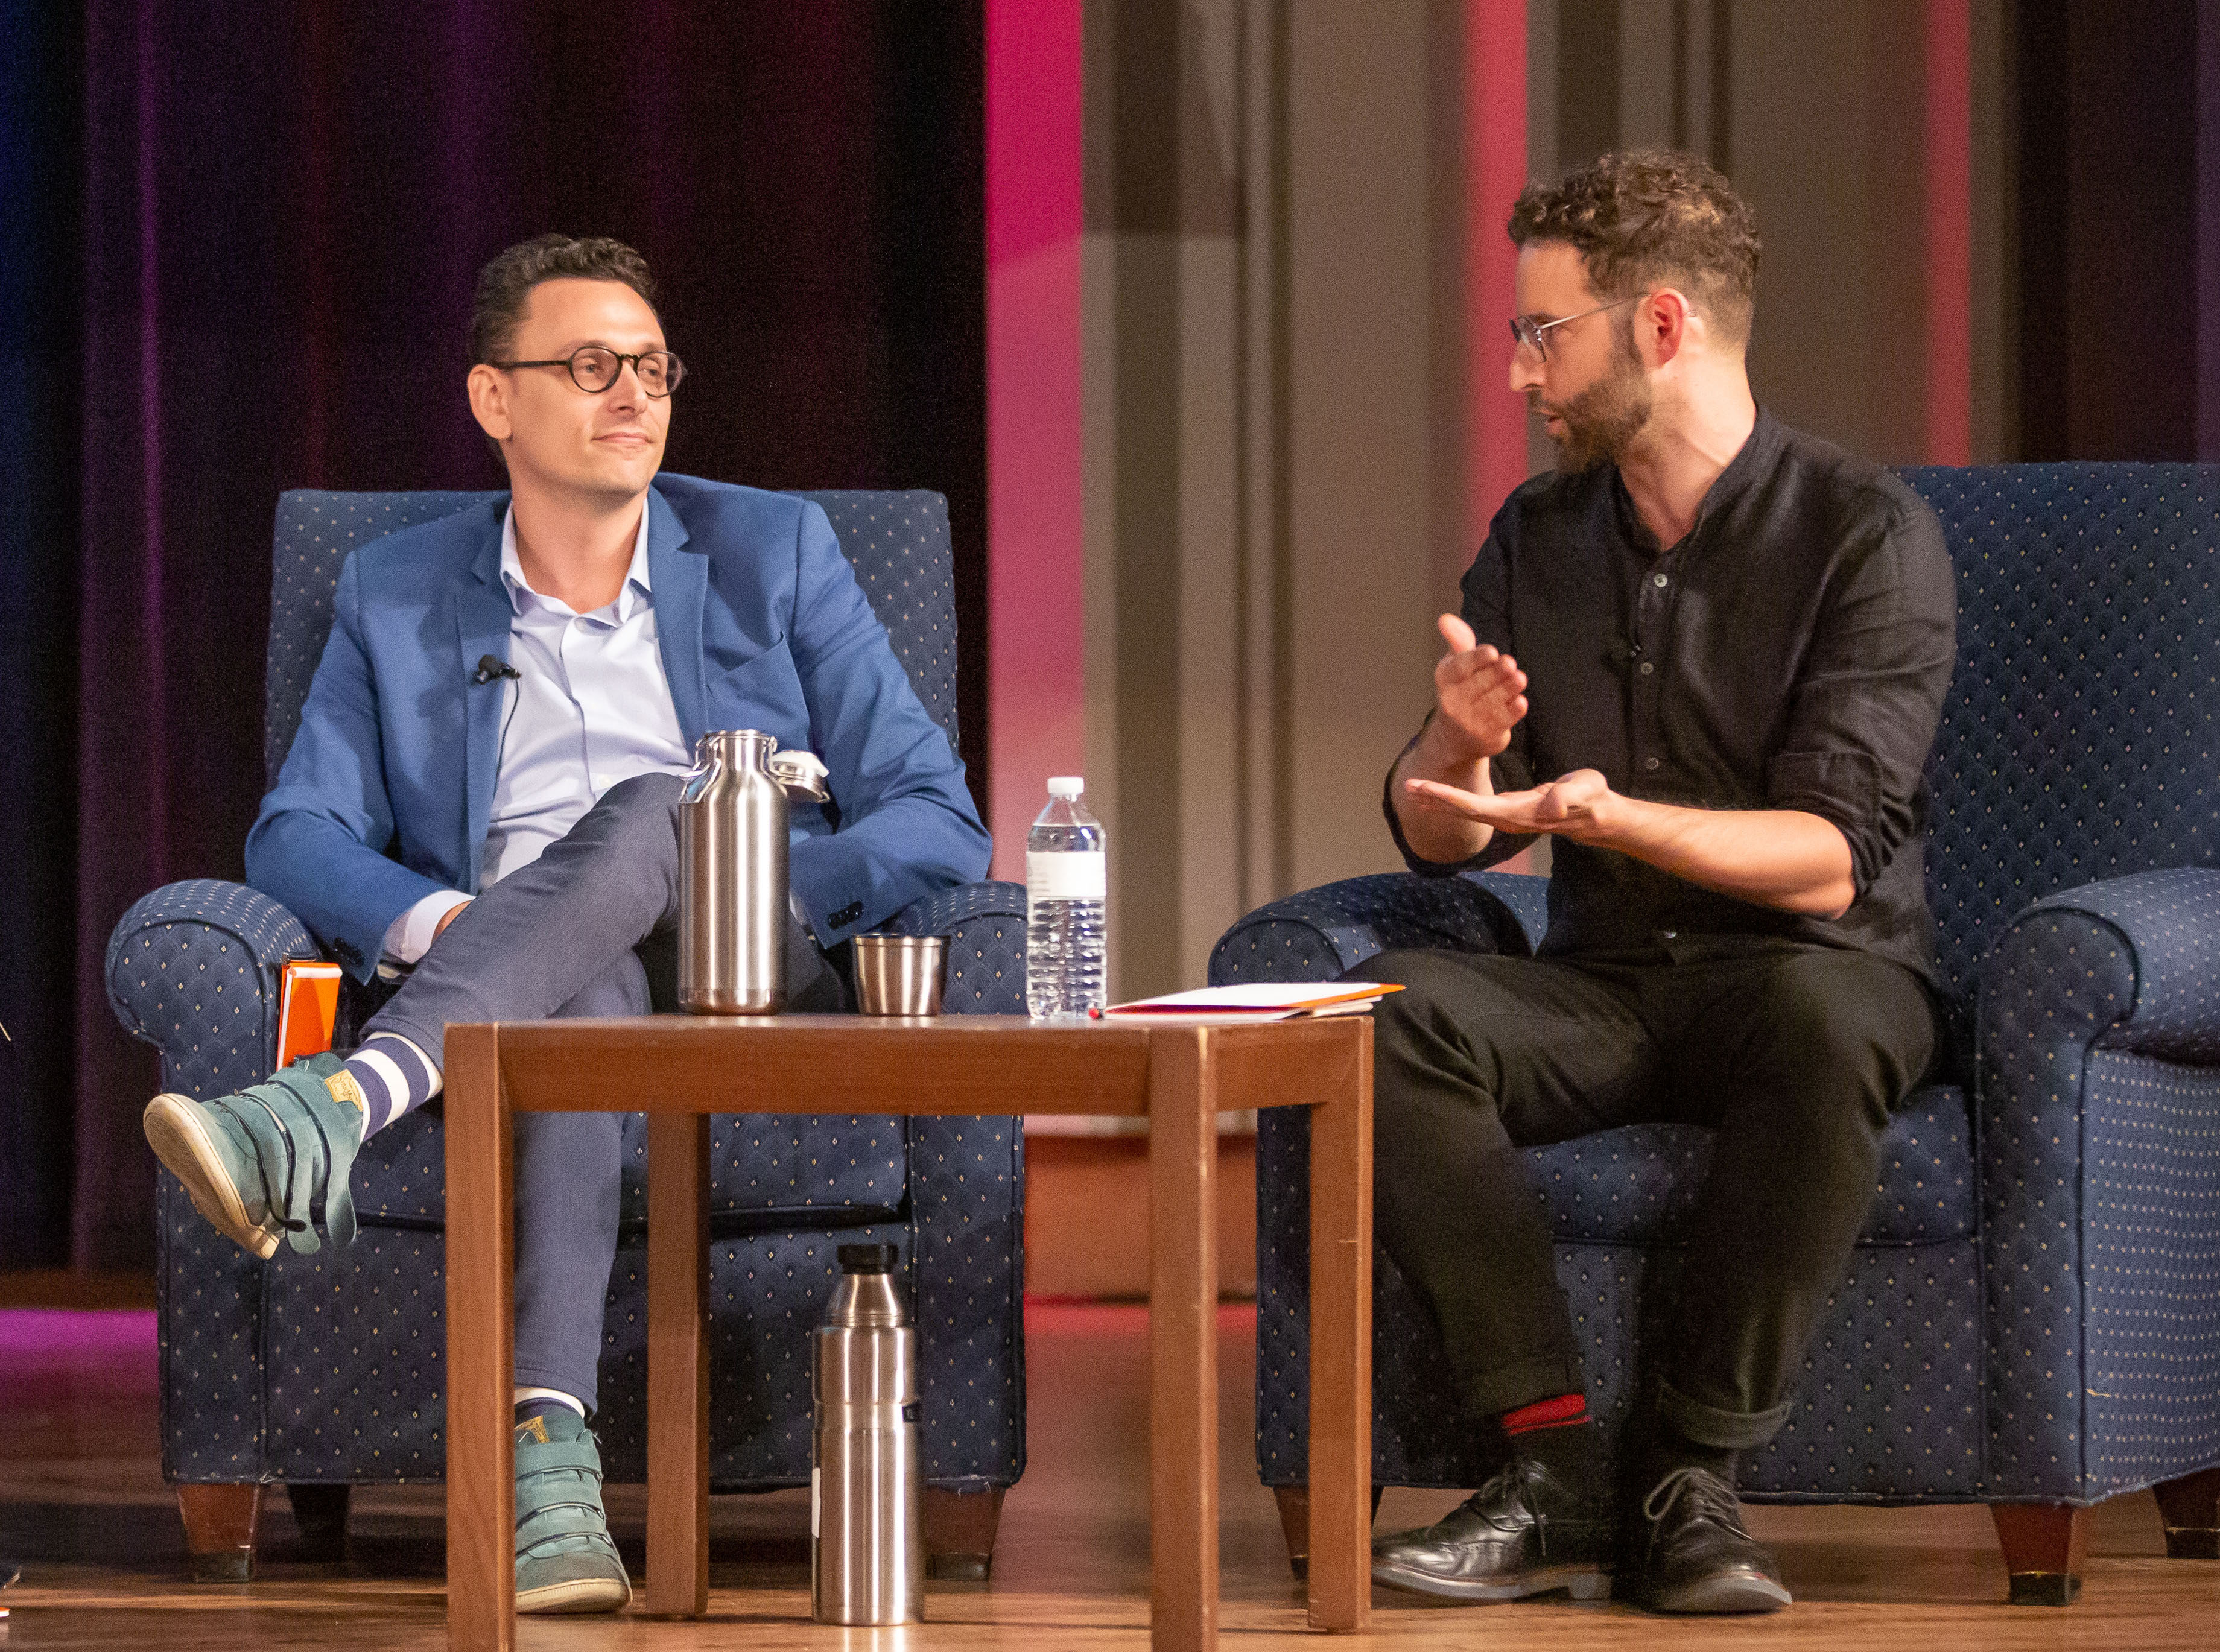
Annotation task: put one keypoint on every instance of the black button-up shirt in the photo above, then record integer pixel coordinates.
(1790, 653)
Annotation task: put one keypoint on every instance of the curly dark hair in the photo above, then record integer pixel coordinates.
(508, 278)
(1652, 218)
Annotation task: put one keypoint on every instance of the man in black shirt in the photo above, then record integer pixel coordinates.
(1705, 657)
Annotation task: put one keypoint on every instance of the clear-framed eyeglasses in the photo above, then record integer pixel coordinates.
(1533, 334)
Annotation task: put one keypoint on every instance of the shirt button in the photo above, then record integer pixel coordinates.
(1650, 763)
(1658, 580)
(1647, 668)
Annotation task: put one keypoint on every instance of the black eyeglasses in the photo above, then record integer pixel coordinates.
(1526, 331)
(592, 369)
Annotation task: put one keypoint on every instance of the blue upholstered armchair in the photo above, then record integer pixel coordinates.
(324, 1371)
(2031, 1319)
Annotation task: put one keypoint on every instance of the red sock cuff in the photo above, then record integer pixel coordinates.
(1560, 1412)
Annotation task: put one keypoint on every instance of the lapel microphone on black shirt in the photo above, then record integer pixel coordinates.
(489, 668)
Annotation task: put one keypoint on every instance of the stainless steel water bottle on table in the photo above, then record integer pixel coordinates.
(866, 1491)
(733, 823)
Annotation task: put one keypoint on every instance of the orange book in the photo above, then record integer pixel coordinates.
(308, 1003)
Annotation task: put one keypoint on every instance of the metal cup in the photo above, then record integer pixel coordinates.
(898, 975)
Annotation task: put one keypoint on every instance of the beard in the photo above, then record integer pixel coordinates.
(1602, 421)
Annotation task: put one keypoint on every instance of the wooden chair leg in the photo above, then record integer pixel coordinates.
(321, 1513)
(2043, 1544)
(220, 1522)
(959, 1533)
(2191, 1508)
(1294, 1503)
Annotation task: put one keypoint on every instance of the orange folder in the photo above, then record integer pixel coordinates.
(308, 1003)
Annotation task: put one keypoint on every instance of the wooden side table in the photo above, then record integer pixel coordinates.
(1179, 1076)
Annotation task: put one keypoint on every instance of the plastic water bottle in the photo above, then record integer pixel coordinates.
(1067, 913)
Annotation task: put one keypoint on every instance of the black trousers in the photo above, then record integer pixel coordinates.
(1795, 1055)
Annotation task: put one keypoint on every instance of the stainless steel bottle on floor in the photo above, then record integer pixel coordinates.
(733, 823)
(866, 1520)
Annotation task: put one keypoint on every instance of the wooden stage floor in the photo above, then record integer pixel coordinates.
(83, 1508)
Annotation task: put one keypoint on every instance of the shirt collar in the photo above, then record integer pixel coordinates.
(636, 588)
(1751, 461)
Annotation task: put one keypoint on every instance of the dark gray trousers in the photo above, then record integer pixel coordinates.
(1795, 1055)
(588, 929)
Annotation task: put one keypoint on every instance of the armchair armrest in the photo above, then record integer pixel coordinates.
(967, 1200)
(1325, 933)
(192, 968)
(2130, 962)
(985, 924)
(2097, 1025)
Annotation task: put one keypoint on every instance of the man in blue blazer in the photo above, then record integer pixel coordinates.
(482, 802)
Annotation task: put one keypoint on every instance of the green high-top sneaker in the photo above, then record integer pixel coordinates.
(565, 1560)
(269, 1163)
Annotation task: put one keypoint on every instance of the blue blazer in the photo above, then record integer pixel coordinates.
(385, 795)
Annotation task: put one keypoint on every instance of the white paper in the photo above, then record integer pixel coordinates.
(1262, 998)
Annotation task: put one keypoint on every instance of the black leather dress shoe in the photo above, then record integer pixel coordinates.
(1522, 1533)
(1692, 1552)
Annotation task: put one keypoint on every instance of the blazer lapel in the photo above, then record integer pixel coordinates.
(482, 614)
(681, 579)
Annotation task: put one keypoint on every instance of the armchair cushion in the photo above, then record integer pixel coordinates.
(767, 1170)
(1638, 1185)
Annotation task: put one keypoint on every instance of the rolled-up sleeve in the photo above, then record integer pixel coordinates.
(1864, 707)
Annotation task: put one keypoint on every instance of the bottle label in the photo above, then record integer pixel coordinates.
(1067, 875)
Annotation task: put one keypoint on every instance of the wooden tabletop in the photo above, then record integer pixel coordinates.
(924, 1064)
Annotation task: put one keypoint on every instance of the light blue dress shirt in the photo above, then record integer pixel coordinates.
(590, 707)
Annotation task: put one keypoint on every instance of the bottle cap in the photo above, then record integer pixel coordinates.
(1066, 786)
(867, 1258)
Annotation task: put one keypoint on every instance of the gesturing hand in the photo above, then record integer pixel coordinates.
(1480, 690)
(1572, 806)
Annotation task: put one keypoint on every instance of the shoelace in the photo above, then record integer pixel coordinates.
(1511, 1477)
(1709, 1497)
(1511, 1482)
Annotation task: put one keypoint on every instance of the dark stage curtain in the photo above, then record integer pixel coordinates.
(40, 75)
(278, 211)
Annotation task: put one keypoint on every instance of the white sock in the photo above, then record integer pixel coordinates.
(518, 1396)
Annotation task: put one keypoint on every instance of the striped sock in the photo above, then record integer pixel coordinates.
(387, 1077)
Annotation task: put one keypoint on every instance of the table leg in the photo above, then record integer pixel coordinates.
(677, 1364)
(1341, 1352)
(1182, 1343)
(480, 1231)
